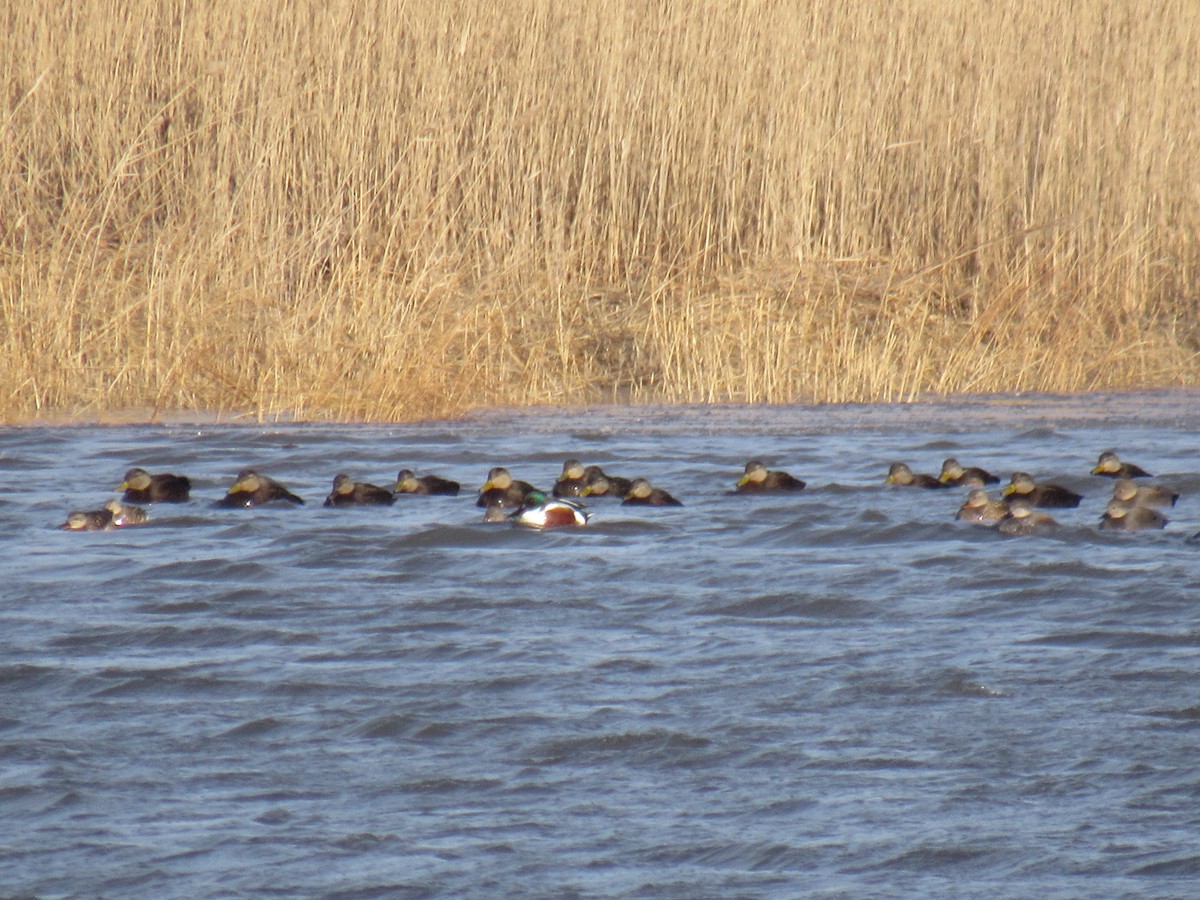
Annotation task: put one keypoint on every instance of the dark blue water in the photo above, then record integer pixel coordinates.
(839, 693)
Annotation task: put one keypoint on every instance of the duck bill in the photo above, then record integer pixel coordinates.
(743, 481)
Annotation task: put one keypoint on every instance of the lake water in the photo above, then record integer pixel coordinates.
(839, 693)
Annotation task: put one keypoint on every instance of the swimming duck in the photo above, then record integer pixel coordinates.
(253, 489)
(1110, 466)
(348, 492)
(501, 489)
(1151, 495)
(900, 473)
(572, 480)
(89, 520)
(540, 511)
(1022, 485)
(142, 487)
(969, 476)
(1022, 518)
(125, 514)
(757, 479)
(409, 483)
(642, 494)
(598, 483)
(979, 507)
(1121, 515)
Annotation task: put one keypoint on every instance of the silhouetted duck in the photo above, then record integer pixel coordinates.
(1022, 518)
(540, 511)
(1052, 495)
(348, 492)
(968, 476)
(900, 473)
(758, 479)
(1110, 466)
(409, 483)
(142, 487)
(1151, 495)
(1121, 515)
(979, 507)
(89, 520)
(572, 480)
(599, 483)
(642, 494)
(502, 490)
(254, 489)
(124, 514)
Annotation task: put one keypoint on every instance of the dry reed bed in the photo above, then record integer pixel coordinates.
(390, 210)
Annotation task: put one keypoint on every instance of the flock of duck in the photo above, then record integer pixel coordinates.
(1133, 507)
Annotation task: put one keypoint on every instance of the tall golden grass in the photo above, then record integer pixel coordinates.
(359, 209)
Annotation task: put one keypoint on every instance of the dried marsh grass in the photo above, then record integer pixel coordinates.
(393, 210)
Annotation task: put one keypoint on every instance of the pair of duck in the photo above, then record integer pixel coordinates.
(114, 514)
(249, 489)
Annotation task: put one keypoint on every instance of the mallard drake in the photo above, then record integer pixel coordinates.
(1022, 485)
(597, 483)
(540, 511)
(1110, 466)
(968, 476)
(642, 494)
(254, 489)
(1022, 518)
(757, 479)
(572, 481)
(124, 514)
(348, 492)
(501, 489)
(89, 520)
(1121, 515)
(1151, 495)
(409, 483)
(979, 507)
(142, 487)
(900, 473)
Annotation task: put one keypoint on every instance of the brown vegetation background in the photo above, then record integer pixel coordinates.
(385, 210)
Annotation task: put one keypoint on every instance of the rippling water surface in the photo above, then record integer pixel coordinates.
(842, 692)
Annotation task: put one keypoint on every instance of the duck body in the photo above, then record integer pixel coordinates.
(124, 514)
(348, 492)
(957, 475)
(982, 509)
(502, 490)
(142, 487)
(899, 473)
(254, 489)
(407, 482)
(1154, 496)
(89, 520)
(1110, 466)
(1122, 515)
(1023, 519)
(641, 493)
(572, 481)
(758, 479)
(1046, 495)
(540, 511)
